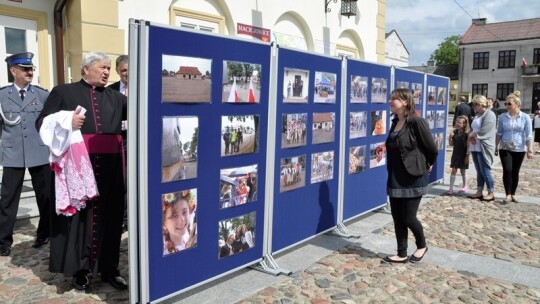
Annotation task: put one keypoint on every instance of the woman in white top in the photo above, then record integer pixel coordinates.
(536, 126)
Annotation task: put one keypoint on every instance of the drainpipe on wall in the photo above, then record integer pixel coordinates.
(59, 40)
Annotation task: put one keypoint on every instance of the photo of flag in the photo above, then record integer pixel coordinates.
(251, 97)
(233, 95)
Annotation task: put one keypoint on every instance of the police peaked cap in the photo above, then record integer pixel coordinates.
(21, 59)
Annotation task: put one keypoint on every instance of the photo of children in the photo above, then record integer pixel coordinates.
(432, 95)
(357, 124)
(186, 79)
(324, 127)
(179, 214)
(357, 159)
(430, 117)
(292, 174)
(293, 130)
(239, 134)
(237, 186)
(378, 123)
(417, 92)
(179, 148)
(377, 155)
(441, 96)
(236, 235)
(295, 86)
(322, 166)
(440, 118)
(378, 90)
(241, 82)
(325, 87)
(359, 89)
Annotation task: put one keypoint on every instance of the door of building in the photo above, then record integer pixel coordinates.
(17, 35)
(535, 96)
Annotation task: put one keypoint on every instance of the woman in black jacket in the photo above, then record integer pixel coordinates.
(411, 151)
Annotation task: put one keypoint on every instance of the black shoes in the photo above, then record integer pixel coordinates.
(80, 281)
(414, 259)
(5, 251)
(389, 260)
(116, 281)
(40, 242)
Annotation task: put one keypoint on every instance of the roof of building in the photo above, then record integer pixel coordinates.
(482, 32)
(386, 35)
(187, 70)
(448, 70)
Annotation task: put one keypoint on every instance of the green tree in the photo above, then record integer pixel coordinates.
(448, 51)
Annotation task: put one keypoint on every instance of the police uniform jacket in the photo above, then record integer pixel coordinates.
(20, 145)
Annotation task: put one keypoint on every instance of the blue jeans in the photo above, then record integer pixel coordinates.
(483, 172)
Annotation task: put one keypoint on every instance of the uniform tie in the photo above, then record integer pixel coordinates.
(22, 94)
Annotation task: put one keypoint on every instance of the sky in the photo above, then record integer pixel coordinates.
(423, 24)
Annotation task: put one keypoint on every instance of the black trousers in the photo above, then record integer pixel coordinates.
(404, 214)
(511, 163)
(12, 182)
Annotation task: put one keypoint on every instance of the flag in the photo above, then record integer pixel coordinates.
(251, 97)
(523, 62)
(233, 95)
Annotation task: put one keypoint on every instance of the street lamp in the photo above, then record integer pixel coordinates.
(348, 7)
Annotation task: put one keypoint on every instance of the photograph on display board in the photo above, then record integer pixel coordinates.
(322, 166)
(294, 130)
(325, 87)
(179, 148)
(430, 117)
(179, 221)
(418, 112)
(239, 134)
(357, 124)
(417, 92)
(402, 85)
(241, 82)
(359, 89)
(432, 95)
(439, 140)
(440, 119)
(324, 127)
(378, 123)
(236, 235)
(377, 155)
(186, 79)
(292, 173)
(357, 159)
(295, 86)
(378, 90)
(237, 186)
(441, 96)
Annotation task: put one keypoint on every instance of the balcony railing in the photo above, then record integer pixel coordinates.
(530, 70)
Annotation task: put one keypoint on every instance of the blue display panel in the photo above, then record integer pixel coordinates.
(437, 116)
(413, 81)
(201, 87)
(307, 146)
(368, 90)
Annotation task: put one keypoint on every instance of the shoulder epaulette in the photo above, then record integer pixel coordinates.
(5, 87)
(36, 86)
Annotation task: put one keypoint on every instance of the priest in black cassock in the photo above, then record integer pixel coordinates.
(89, 241)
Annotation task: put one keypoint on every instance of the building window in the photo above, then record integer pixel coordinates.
(197, 20)
(481, 60)
(536, 56)
(504, 89)
(480, 89)
(507, 59)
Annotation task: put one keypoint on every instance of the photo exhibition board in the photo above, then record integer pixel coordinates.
(307, 146)
(368, 89)
(415, 82)
(437, 116)
(207, 136)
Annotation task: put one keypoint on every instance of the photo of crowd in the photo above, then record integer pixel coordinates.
(324, 127)
(430, 117)
(402, 85)
(441, 120)
(295, 86)
(293, 130)
(377, 155)
(432, 95)
(357, 159)
(237, 186)
(179, 214)
(439, 140)
(322, 166)
(378, 123)
(359, 89)
(186, 79)
(239, 134)
(241, 82)
(357, 124)
(236, 235)
(417, 92)
(378, 90)
(325, 87)
(292, 173)
(179, 148)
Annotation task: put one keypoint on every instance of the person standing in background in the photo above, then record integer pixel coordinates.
(536, 126)
(122, 63)
(463, 109)
(21, 148)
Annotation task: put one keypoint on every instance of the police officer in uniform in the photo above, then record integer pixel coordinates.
(21, 148)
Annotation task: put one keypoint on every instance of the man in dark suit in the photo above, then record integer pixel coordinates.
(21, 148)
(463, 109)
